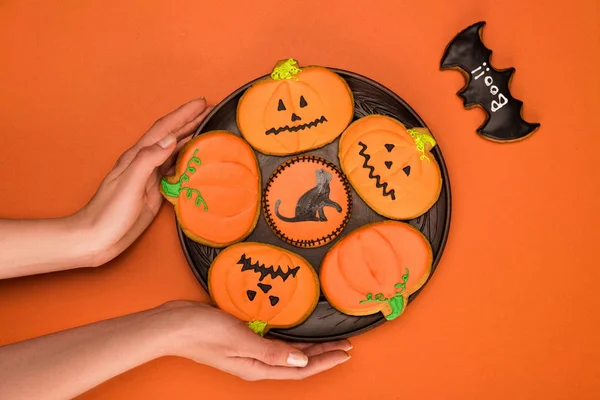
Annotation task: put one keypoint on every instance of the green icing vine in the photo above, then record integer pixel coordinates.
(396, 302)
(174, 189)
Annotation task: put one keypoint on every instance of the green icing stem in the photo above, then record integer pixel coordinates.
(396, 302)
(421, 140)
(258, 327)
(287, 69)
(397, 305)
(170, 189)
(174, 189)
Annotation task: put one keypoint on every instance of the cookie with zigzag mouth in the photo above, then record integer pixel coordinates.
(295, 109)
(390, 166)
(263, 285)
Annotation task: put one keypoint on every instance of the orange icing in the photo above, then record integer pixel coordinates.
(316, 98)
(410, 178)
(298, 185)
(249, 298)
(228, 179)
(373, 259)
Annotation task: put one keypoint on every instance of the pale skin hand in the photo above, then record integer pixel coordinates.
(68, 363)
(124, 205)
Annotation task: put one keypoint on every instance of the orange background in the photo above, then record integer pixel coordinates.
(512, 311)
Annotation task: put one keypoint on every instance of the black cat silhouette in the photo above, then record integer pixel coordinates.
(310, 205)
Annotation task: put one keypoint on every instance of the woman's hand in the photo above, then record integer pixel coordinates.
(128, 198)
(124, 205)
(209, 336)
(66, 364)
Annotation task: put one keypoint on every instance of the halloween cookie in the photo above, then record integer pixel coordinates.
(264, 285)
(375, 268)
(215, 189)
(295, 109)
(486, 87)
(307, 201)
(390, 166)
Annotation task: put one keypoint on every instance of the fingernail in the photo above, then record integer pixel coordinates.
(167, 141)
(350, 347)
(346, 359)
(297, 359)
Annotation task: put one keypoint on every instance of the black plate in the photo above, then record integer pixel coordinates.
(326, 323)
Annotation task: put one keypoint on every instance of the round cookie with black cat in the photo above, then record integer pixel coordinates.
(307, 201)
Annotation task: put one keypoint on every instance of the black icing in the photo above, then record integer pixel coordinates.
(274, 300)
(388, 164)
(486, 86)
(406, 170)
(303, 102)
(372, 175)
(251, 294)
(389, 147)
(248, 265)
(265, 288)
(281, 106)
(277, 131)
(295, 117)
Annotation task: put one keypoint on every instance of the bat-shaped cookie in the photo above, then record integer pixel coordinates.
(486, 87)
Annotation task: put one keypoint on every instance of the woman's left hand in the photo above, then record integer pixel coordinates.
(124, 205)
(128, 198)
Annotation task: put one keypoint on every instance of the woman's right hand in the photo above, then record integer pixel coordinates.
(210, 336)
(66, 364)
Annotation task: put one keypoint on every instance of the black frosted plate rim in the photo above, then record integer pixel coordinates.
(445, 197)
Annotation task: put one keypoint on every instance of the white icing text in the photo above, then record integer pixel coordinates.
(488, 80)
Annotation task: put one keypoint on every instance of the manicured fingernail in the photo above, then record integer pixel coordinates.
(167, 141)
(297, 359)
(350, 347)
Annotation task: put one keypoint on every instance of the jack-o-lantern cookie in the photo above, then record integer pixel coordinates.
(264, 285)
(375, 268)
(295, 109)
(390, 166)
(307, 201)
(215, 189)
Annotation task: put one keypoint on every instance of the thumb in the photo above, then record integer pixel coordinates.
(151, 157)
(272, 352)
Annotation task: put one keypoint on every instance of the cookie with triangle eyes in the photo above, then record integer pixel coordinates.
(390, 166)
(295, 109)
(264, 285)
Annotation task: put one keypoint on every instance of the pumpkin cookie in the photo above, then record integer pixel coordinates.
(295, 109)
(215, 189)
(375, 268)
(390, 166)
(307, 201)
(264, 285)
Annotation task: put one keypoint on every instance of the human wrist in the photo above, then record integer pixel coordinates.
(157, 335)
(176, 325)
(78, 242)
